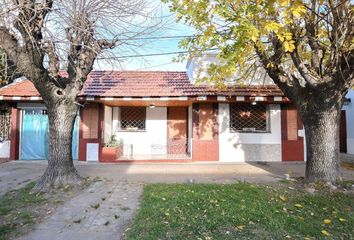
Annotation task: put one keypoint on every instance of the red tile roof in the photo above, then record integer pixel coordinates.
(22, 88)
(144, 84)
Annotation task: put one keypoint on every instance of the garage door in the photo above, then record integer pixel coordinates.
(34, 135)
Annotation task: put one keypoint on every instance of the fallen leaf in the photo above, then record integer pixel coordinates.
(283, 198)
(325, 233)
(240, 227)
(342, 219)
(326, 221)
(298, 205)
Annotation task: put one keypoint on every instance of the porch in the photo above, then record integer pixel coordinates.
(140, 130)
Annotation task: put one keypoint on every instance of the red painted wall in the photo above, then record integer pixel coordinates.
(15, 134)
(92, 108)
(205, 149)
(292, 150)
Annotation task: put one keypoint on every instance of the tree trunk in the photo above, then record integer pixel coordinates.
(60, 170)
(322, 142)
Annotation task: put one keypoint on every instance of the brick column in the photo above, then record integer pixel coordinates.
(15, 134)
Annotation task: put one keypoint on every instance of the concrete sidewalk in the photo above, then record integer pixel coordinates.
(17, 173)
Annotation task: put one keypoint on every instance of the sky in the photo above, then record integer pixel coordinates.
(172, 30)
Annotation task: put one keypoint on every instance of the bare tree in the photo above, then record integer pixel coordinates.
(43, 37)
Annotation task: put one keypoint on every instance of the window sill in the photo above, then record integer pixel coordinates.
(131, 130)
(236, 131)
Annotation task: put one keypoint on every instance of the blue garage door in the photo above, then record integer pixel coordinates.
(34, 135)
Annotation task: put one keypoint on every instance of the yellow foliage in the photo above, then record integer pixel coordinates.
(289, 46)
(272, 26)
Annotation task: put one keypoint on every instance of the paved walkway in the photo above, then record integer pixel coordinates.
(104, 211)
(118, 197)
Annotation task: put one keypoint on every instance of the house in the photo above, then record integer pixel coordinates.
(160, 116)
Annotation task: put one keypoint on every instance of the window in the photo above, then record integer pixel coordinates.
(5, 125)
(132, 118)
(248, 118)
(90, 122)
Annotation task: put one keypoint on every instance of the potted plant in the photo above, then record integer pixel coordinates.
(112, 150)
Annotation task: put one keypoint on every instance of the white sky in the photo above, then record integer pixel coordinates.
(162, 62)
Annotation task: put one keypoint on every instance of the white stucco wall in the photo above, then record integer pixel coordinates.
(349, 111)
(5, 149)
(241, 147)
(153, 140)
(107, 123)
(200, 64)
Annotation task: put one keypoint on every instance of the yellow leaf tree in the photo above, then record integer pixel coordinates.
(305, 47)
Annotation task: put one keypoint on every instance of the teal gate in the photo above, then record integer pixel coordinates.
(35, 133)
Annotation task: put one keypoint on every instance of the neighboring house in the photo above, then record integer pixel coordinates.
(347, 124)
(162, 116)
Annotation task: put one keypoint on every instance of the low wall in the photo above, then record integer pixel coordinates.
(5, 150)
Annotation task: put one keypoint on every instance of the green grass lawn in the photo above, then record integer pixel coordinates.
(241, 211)
(17, 209)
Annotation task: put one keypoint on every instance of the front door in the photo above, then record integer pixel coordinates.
(292, 134)
(177, 130)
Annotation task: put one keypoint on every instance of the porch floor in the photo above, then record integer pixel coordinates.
(153, 157)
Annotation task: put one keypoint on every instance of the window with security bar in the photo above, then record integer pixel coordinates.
(5, 125)
(132, 118)
(249, 118)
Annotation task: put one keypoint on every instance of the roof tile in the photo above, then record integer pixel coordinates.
(144, 84)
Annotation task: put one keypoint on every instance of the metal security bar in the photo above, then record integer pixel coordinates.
(5, 126)
(248, 118)
(132, 118)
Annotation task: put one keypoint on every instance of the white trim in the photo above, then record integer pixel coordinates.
(146, 98)
(164, 98)
(34, 98)
(202, 98)
(183, 98)
(16, 98)
(1, 97)
(90, 98)
(278, 99)
(240, 98)
(127, 98)
(260, 98)
(221, 98)
(108, 99)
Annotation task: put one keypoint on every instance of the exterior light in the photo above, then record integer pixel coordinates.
(254, 103)
(151, 106)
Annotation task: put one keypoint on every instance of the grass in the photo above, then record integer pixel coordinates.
(241, 211)
(16, 210)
